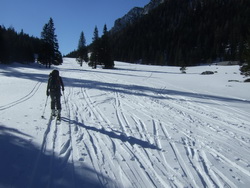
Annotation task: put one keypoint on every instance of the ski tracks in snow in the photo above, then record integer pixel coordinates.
(210, 141)
(129, 154)
(203, 138)
(134, 138)
(24, 98)
(54, 164)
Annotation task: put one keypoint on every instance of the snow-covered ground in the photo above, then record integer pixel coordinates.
(135, 126)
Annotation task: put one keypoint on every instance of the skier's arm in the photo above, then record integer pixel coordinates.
(47, 92)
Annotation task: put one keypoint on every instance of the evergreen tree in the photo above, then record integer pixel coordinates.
(50, 52)
(73, 54)
(105, 50)
(18, 47)
(95, 55)
(82, 50)
(2, 48)
(245, 68)
(186, 32)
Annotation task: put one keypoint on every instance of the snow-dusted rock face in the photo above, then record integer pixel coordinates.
(151, 5)
(134, 14)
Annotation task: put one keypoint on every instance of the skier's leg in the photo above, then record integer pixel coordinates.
(53, 103)
(53, 112)
(58, 105)
(59, 114)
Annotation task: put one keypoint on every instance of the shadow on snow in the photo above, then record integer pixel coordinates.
(113, 87)
(131, 140)
(18, 157)
(144, 91)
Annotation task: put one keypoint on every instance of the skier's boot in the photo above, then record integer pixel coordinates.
(59, 114)
(53, 113)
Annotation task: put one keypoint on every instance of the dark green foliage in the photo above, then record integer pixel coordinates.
(20, 47)
(101, 53)
(17, 47)
(95, 49)
(186, 32)
(73, 54)
(245, 68)
(82, 52)
(50, 53)
(105, 50)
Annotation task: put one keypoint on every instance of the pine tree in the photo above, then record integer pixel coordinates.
(50, 51)
(94, 58)
(82, 53)
(187, 31)
(105, 50)
(2, 47)
(18, 47)
(245, 68)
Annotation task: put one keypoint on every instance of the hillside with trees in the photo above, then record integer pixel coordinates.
(101, 52)
(17, 47)
(20, 47)
(187, 32)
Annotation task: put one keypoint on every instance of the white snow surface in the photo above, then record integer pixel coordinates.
(134, 126)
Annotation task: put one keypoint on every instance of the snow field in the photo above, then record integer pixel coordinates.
(135, 126)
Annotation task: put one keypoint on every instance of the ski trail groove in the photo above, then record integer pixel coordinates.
(22, 99)
(94, 111)
(58, 155)
(53, 155)
(95, 142)
(142, 158)
(41, 152)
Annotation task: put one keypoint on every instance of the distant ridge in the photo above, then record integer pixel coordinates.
(135, 14)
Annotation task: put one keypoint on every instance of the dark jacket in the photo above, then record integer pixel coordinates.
(55, 83)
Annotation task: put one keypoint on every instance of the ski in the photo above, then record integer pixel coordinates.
(56, 116)
(58, 119)
(53, 117)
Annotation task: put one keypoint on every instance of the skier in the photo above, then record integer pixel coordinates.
(55, 84)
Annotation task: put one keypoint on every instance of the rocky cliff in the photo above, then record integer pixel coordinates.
(135, 14)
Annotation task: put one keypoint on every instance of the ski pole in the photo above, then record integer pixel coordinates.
(45, 107)
(66, 106)
(64, 97)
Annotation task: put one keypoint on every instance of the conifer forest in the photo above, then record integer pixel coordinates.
(187, 32)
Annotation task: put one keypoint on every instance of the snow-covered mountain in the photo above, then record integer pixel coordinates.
(134, 14)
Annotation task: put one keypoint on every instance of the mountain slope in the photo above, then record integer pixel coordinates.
(186, 33)
(134, 14)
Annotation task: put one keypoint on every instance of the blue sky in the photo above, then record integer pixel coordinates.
(71, 17)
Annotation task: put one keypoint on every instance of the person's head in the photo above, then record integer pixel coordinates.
(55, 72)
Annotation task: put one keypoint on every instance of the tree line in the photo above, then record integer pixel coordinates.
(176, 33)
(99, 52)
(187, 32)
(17, 47)
(20, 47)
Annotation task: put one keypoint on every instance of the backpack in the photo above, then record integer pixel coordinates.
(54, 81)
